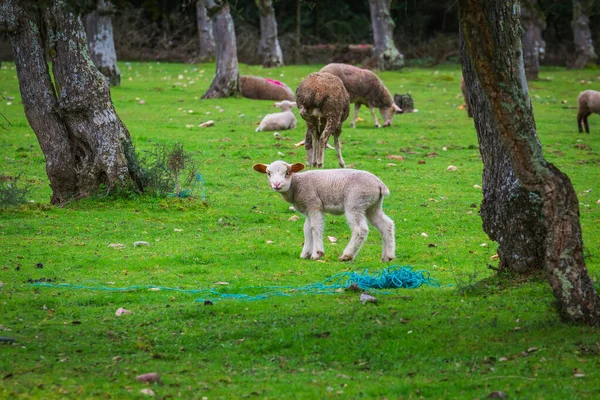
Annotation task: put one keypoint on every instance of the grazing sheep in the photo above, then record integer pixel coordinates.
(279, 121)
(356, 194)
(324, 104)
(255, 87)
(589, 102)
(364, 87)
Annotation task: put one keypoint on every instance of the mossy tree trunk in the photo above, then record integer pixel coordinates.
(83, 140)
(384, 50)
(268, 48)
(534, 47)
(226, 82)
(205, 33)
(101, 42)
(582, 36)
(495, 76)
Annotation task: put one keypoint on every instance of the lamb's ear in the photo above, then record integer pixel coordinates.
(262, 168)
(297, 167)
(293, 104)
(277, 104)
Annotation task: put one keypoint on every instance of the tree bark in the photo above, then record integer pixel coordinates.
(384, 50)
(205, 33)
(226, 82)
(492, 48)
(534, 47)
(268, 48)
(582, 37)
(101, 42)
(85, 143)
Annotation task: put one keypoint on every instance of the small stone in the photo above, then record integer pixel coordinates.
(147, 392)
(451, 168)
(116, 245)
(150, 377)
(140, 243)
(122, 311)
(207, 124)
(293, 218)
(366, 298)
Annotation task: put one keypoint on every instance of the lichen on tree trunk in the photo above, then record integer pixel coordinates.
(205, 33)
(268, 48)
(226, 82)
(493, 67)
(84, 141)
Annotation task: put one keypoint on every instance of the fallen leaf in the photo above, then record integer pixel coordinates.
(424, 234)
(221, 283)
(116, 245)
(332, 239)
(140, 243)
(147, 392)
(451, 168)
(294, 218)
(122, 311)
(395, 157)
(207, 123)
(269, 242)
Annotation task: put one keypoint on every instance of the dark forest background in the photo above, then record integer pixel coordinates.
(426, 30)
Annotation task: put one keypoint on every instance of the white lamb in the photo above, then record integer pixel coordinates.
(589, 102)
(357, 194)
(279, 121)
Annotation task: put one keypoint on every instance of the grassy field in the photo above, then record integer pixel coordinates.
(475, 335)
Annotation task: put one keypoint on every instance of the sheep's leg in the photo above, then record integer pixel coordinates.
(579, 121)
(356, 108)
(385, 226)
(338, 149)
(585, 123)
(377, 124)
(307, 249)
(308, 145)
(360, 229)
(316, 227)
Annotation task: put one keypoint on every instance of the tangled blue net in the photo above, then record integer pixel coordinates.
(394, 277)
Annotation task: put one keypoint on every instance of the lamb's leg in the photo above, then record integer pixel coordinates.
(585, 122)
(377, 124)
(385, 226)
(356, 108)
(338, 149)
(317, 223)
(307, 249)
(579, 121)
(360, 229)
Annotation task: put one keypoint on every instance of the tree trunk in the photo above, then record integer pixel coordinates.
(384, 50)
(582, 37)
(298, 47)
(492, 48)
(85, 143)
(205, 33)
(98, 26)
(227, 79)
(268, 48)
(534, 47)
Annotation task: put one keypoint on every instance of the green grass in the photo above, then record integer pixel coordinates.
(475, 335)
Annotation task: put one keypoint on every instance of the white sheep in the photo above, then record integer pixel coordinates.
(589, 102)
(364, 87)
(357, 194)
(279, 121)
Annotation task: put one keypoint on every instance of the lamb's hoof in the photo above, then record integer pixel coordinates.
(387, 259)
(346, 257)
(377, 126)
(305, 255)
(317, 256)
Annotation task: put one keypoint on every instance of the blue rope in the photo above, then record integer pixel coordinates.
(393, 277)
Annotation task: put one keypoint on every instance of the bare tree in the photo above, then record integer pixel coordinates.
(226, 82)
(205, 33)
(534, 47)
(497, 86)
(385, 52)
(101, 42)
(582, 36)
(268, 48)
(85, 143)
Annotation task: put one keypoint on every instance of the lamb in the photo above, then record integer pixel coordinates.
(364, 87)
(324, 104)
(589, 102)
(258, 88)
(279, 121)
(357, 194)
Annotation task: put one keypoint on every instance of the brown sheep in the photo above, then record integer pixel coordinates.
(324, 104)
(258, 88)
(589, 102)
(364, 87)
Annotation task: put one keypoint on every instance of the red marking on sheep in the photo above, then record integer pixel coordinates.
(274, 82)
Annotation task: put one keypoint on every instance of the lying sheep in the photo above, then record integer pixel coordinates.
(279, 121)
(357, 194)
(589, 102)
(324, 104)
(255, 87)
(364, 87)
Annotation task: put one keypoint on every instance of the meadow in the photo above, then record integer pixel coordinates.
(477, 335)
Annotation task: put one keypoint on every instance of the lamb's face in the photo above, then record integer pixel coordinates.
(387, 113)
(279, 174)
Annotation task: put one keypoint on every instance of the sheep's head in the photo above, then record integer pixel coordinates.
(279, 174)
(285, 105)
(387, 113)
